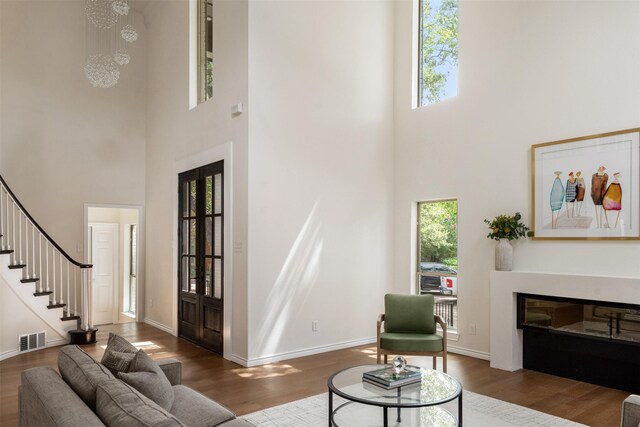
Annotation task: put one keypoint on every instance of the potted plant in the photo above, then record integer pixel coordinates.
(505, 228)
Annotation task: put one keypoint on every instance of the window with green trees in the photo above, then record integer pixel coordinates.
(437, 257)
(438, 50)
(205, 50)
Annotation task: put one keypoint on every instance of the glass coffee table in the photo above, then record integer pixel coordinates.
(435, 388)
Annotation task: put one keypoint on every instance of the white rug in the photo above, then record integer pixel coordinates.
(478, 411)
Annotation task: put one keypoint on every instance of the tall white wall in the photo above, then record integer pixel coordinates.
(320, 173)
(64, 142)
(530, 72)
(176, 134)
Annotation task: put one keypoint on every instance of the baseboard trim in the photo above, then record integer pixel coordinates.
(471, 353)
(53, 343)
(160, 326)
(300, 353)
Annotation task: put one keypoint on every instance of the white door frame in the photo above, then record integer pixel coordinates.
(140, 291)
(212, 155)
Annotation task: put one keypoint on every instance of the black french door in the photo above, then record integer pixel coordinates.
(200, 256)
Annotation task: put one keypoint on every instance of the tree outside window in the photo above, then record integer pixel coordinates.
(437, 258)
(438, 50)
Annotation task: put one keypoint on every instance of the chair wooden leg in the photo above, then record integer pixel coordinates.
(378, 357)
(444, 364)
(434, 363)
(385, 358)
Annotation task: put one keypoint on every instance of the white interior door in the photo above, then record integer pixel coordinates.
(104, 244)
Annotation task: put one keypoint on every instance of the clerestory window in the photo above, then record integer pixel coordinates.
(437, 50)
(205, 50)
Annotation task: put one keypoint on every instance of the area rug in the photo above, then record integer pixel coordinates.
(478, 411)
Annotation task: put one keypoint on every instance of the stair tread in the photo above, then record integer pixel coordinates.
(50, 306)
(15, 267)
(39, 294)
(32, 280)
(6, 251)
(65, 318)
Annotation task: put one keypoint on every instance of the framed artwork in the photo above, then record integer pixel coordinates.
(587, 187)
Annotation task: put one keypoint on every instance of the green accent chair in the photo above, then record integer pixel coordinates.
(410, 328)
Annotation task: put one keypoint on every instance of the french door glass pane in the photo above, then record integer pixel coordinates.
(185, 199)
(217, 193)
(185, 237)
(192, 274)
(217, 234)
(208, 195)
(217, 283)
(207, 238)
(192, 194)
(207, 276)
(185, 274)
(192, 238)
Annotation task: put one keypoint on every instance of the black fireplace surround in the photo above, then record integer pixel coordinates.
(592, 341)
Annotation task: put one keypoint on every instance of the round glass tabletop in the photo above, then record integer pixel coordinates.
(434, 388)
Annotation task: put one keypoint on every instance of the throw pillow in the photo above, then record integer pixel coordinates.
(118, 404)
(118, 354)
(146, 376)
(82, 373)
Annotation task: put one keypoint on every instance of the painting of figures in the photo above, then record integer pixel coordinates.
(587, 187)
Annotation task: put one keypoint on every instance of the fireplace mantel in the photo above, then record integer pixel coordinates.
(506, 339)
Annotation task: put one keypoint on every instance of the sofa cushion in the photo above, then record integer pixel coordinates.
(45, 400)
(118, 354)
(196, 410)
(410, 342)
(82, 373)
(119, 404)
(146, 376)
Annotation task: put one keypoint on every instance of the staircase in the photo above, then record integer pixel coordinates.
(54, 286)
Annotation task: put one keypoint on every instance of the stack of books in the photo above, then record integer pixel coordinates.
(388, 378)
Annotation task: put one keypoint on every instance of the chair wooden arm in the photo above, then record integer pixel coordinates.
(378, 332)
(443, 325)
(379, 325)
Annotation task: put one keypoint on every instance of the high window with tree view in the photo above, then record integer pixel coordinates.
(437, 258)
(205, 49)
(438, 50)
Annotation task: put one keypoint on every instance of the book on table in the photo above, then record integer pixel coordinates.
(389, 378)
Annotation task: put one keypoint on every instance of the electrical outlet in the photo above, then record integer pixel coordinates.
(315, 326)
(472, 328)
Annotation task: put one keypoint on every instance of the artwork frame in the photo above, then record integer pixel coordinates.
(587, 188)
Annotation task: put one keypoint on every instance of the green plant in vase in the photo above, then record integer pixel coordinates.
(504, 228)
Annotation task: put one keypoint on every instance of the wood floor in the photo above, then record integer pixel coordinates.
(245, 390)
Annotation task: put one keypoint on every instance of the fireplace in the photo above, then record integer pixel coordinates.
(587, 340)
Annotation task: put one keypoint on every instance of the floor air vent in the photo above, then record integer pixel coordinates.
(32, 341)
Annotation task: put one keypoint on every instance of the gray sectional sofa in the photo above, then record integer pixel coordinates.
(631, 411)
(86, 393)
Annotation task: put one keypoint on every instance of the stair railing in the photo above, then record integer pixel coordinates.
(43, 261)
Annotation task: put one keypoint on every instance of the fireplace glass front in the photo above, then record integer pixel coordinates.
(597, 319)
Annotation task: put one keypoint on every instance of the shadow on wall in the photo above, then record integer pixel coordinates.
(297, 278)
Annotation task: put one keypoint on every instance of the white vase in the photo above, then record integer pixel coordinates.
(504, 255)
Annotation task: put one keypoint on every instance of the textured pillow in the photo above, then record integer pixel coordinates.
(82, 373)
(118, 404)
(146, 376)
(118, 354)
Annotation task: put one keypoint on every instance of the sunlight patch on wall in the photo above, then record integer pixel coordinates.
(295, 281)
